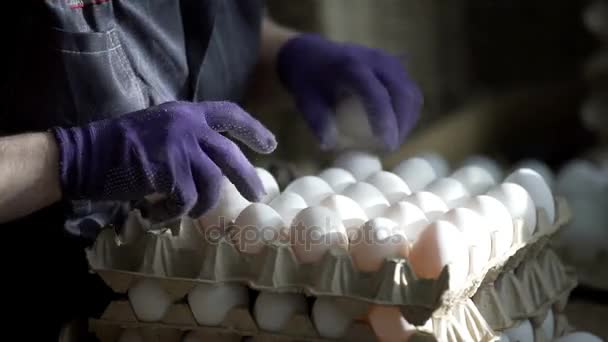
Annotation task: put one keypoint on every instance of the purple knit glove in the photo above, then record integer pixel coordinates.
(319, 73)
(174, 149)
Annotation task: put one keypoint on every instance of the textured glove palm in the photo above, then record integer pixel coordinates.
(174, 149)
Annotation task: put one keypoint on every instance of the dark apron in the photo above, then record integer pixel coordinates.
(74, 61)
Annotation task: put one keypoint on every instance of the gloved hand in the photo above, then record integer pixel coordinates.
(174, 149)
(319, 73)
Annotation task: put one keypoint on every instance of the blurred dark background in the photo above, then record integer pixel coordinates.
(458, 51)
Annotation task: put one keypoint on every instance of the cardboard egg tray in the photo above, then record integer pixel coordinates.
(441, 313)
(540, 284)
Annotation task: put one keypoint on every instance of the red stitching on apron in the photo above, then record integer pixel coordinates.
(81, 3)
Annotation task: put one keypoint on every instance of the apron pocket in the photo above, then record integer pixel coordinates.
(97, 78)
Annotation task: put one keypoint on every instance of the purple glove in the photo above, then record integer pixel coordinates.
(319, 73)
(174, 149)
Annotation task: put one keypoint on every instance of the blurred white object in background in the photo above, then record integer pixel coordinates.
(578, 337)
(352, 123)
(585, 186)
(595, 17)
(359, 164)
(485, 163)
(416, 172)
(521, 332)
(594, 112)
(273, 310)
(329, 320)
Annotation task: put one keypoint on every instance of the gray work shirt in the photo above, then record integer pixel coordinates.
(69, 62)
(82, 60)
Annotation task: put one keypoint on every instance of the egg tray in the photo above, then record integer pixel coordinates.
(276, 269)
(420, 300)
(538, 283)
(517, 254)
(238, 323)
(527, 292)
(465, 324)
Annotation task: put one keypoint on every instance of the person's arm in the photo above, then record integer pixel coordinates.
(29, 174)
(273, 37)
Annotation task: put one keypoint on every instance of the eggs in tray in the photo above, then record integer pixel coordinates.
(420, 211)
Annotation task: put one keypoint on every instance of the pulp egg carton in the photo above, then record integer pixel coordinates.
(529, 297)
(156, 262)
(276, 270)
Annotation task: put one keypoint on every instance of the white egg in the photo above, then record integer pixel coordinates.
(360, 164)
(389, 325)
(521, 207)
(312, 189)
(540, 167)
(476, 233)
(548, 325)
(391, 185)
(593, 112)
(314, 231)
(369, 198)
(288, 205)
(271, 187)
(578, 337)
(408, 217)
(416, 172)
(439, 164)
(595, 18)
(378, 239)
(537, 189)
(329, 319)
(431, 205)
(585, 235)
(499, 222)
(485, 163)
(475, 179)
(149, 300)
(273, 310)
(210, 303)
(577, 177)
(503, 338)
(255, 227)
(337, 178)
(351, 214)
(522, 332)
(130, 335)
(352, 125)
(439, 245)
(229, 206)
(451, 191)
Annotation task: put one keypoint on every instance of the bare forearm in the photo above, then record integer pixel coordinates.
(29, 174)
(273, 38)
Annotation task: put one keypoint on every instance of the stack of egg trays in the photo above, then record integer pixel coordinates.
(524, 285)
(454, 315)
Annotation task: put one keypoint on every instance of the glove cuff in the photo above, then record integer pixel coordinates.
(71, 143)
